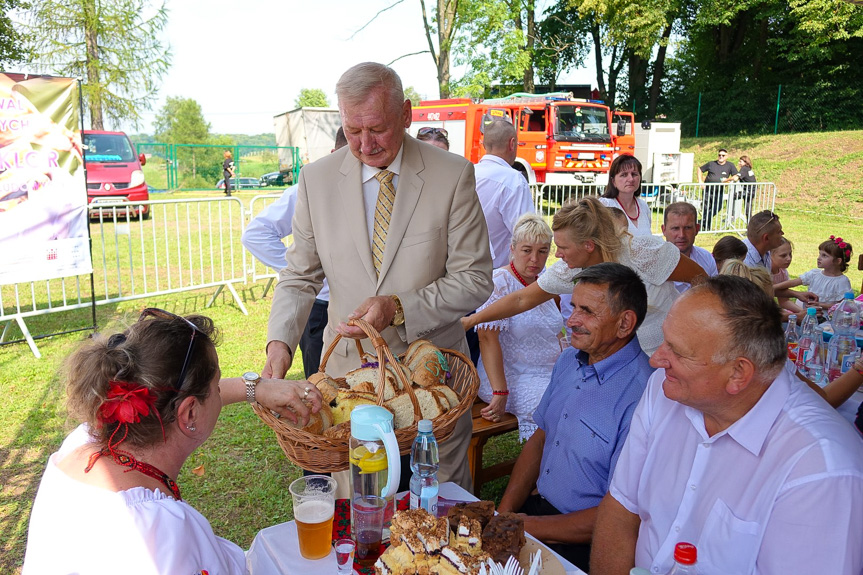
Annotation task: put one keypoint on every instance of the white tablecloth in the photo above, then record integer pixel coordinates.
(275, 550)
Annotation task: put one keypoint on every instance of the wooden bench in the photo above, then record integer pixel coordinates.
(483, 430)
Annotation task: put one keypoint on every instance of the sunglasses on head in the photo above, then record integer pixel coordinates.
(162, 314)
(773, 217)
(429, 131)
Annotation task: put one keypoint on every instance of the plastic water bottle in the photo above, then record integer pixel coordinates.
(791, 338)
(815, 368)
(424, 463)
(808, 339)
(685, 557)
(842, 350)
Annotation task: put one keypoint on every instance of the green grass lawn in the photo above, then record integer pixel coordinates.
(244, 485)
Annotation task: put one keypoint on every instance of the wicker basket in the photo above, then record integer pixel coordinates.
(324, 454)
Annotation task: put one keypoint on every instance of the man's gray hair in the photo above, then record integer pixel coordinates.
(753, 322)
(497, 135)
(359, 81)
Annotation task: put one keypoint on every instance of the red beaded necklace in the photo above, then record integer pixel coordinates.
(127, 460)
(517, 275)
(637, 210)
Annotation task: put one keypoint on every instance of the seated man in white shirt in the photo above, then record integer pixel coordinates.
(729, 452)
(680, 226)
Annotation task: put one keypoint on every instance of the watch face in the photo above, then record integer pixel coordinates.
(251, 376)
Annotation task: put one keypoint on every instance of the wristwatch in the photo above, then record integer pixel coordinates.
(251, 379)
(399, 317)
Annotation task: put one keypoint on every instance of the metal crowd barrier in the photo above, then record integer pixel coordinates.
(257, 270)
(183, 245)
(722, 208)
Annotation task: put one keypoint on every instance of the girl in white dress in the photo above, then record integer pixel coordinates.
(517, 354)
(828, 281)
(147, 398)
(623, 191)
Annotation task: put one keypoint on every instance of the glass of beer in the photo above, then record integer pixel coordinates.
(368, 523)
(314, 505)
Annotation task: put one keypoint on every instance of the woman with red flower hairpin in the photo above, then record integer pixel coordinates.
(828, 280)
(147, 398)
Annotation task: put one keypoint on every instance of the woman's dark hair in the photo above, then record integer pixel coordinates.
(837, 248)
(434, 136)
(150, 353)
(617, 166)
(728, 248)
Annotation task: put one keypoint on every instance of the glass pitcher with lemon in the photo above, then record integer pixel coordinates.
(374, 458)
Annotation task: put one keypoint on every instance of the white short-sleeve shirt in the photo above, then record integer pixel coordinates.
(779, 491)
(640, 226)
(81, 528)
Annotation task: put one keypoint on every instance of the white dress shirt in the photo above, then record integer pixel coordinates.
(779, 491)
(263, 236)
(703, 258)
(505, 197)
(372, 187)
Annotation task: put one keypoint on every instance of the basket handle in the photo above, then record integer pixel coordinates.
(384, 355)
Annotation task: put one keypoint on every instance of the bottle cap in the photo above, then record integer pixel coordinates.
(792, 316)
(811, 311)
(424, 426)
(685, 553)
(849, 295)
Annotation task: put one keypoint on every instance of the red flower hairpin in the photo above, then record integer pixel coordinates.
(126, 403)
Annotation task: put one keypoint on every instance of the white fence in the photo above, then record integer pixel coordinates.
(184, 245)
(190, 244)
(725, 207)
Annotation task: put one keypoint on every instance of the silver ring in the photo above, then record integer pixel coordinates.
(306, 394)
(276, 414)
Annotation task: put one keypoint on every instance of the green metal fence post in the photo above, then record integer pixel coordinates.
(698, 115)
(778, 97)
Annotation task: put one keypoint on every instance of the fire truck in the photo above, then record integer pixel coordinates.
(561, 139)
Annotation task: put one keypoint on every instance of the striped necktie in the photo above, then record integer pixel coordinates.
(383, 213)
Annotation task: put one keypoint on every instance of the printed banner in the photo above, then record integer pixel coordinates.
(43, 194)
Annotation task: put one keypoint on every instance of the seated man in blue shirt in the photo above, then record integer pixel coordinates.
(564, 469)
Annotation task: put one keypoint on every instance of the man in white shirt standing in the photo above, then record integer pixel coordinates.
(503, 192)
(263, 238)
(680, 226)
(729, 452)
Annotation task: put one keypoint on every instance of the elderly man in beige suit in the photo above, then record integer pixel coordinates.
(432, 265)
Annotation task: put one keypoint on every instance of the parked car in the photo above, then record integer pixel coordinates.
(114, 171)
(276, 179)
(245, 183)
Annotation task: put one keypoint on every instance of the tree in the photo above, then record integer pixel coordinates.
(412, 95)
(312, 98)
(113, 44)
(181, 121)
(12, 40)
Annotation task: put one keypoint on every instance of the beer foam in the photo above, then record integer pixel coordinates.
(313, 511)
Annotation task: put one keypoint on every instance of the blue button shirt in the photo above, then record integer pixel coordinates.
(585, 414)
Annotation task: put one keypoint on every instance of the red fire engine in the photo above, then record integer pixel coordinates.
(561, 140)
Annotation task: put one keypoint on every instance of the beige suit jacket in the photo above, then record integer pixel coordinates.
(437, 258)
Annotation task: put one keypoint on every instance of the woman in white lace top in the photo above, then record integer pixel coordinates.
(517, 354)
(585, 235)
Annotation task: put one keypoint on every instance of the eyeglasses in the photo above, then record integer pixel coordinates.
(162, 314)
(773, 217)
(429, 131)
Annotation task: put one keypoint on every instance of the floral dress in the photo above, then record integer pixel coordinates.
(530, 346)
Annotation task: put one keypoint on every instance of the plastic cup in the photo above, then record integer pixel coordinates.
(314, 506)
(368, 522)
(345, 555)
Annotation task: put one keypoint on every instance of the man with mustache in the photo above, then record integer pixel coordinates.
(565, 467)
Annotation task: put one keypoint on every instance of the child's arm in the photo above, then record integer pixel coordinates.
(786, 304)
(787, 284)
